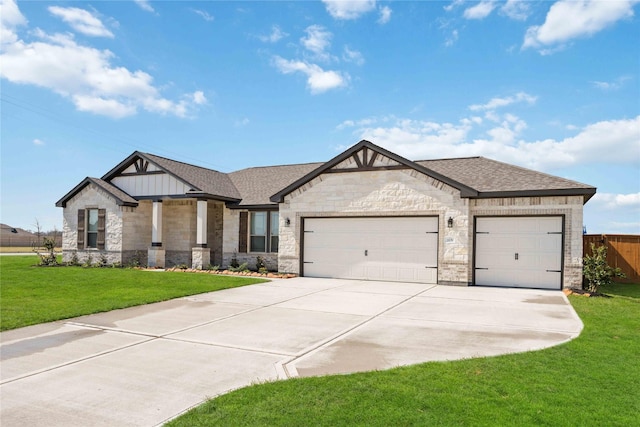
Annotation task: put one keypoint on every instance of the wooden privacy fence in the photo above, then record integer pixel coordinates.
(623, 250)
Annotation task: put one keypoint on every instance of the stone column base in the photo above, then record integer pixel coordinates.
(200, 258)
(155, 257)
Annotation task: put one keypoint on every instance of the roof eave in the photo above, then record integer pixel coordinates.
(62, 203)
(209, 196)
(586, 192)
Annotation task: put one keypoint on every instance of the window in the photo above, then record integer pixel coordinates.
(92, 228)
(263, 231)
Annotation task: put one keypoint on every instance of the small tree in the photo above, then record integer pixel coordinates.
(49, 257)
(597, 271)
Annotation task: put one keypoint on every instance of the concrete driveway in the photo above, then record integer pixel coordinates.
(145, 365)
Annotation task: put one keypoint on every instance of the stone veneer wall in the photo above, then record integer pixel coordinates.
(569, 206)
(231, 226)
(92, 197)
(178, 231)
(215, 213)
(381, 193)
(136, 233)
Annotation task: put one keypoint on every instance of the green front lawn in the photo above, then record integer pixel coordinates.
(31, 295)
(590, 381)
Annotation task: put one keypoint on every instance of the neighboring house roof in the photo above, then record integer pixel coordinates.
(256, 185)
(491, 178)
(122, 198)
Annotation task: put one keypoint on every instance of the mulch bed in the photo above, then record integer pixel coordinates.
(270, 275)
(584, 293)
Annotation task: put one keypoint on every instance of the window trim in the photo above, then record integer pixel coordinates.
(269, 234)
(89, 232)
(83, 229)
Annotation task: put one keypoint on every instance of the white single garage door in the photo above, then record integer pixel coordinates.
(403, 249)
(523, 252)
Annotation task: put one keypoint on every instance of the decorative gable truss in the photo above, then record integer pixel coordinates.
(141, 166)
(366, 159)
(141, 178)
(366, 156)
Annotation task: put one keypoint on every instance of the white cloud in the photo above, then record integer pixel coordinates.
(516, 9)
(587, 17)
(38, 142)
(503, 102)
(81, 20)
(613, 141)
(480, 11)
(450, 41)
(204, 14)
(10, 19)
(454, 4)
(318, 40)
(275, 36)
(241, 123)
(144, 5)
(617, 201)
(349, 9)
(352, 56)
(612, 85)
(318, 80)
(385, 15)
(85, 75)
(198, 97)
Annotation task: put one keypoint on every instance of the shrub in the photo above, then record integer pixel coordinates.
(88, 262)
(597, 271)
(234, 262)
(48, 258)
(103, 262)
(240, 268)
(74, 261)
(213, 267)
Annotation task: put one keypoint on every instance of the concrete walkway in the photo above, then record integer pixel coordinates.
(145, 365)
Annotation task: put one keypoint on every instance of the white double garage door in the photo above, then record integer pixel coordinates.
(508, 251)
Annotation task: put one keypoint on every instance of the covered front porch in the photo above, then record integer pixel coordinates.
(185, 232)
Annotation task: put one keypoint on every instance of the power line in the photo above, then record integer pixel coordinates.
(136, 145)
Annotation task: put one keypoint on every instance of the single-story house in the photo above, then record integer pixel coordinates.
(366, 214)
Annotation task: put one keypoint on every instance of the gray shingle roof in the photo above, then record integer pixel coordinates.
(122, 198)
(256, 185)
(474, 176)
(491, 176)
(206, 180)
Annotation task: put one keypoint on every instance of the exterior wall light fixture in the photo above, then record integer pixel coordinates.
(287, 222)
(450, 222)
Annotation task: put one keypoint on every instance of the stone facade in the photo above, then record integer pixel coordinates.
(380, 193)
(88, 198)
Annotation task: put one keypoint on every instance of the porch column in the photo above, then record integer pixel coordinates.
(201, 254)
(156, 254)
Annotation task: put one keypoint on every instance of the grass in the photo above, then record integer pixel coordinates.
(21, 249)
(31, 295)
(592, 380)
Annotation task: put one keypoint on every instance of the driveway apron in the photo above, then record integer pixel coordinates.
(145, 365)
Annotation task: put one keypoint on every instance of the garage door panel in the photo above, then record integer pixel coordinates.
(519, 252)
(397, 249)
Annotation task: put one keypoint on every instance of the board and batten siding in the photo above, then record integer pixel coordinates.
(157, 184)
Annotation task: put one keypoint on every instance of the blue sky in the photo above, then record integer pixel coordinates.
(553, 86)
